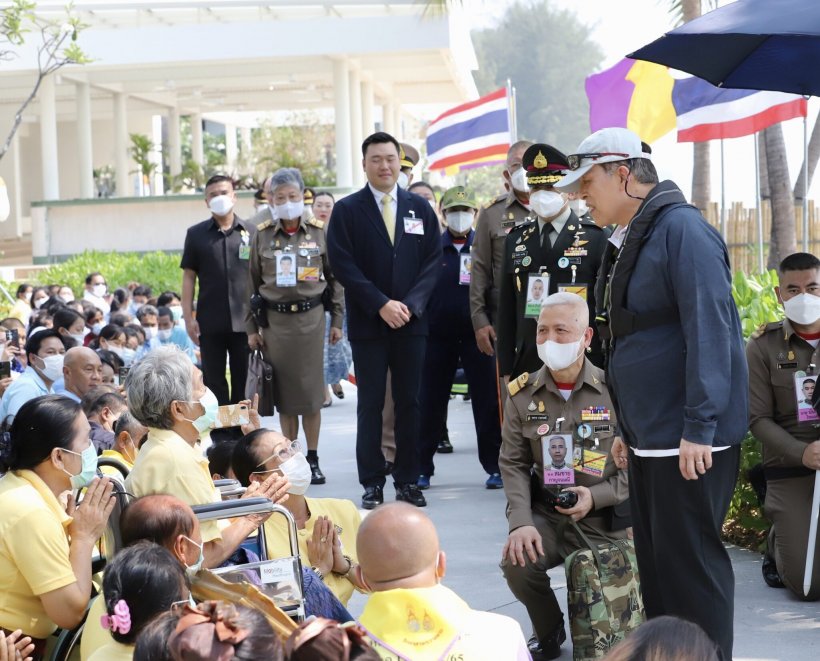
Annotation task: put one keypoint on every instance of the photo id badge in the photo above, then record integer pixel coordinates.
(244, 251)
(580, 290)
(557, 452)
(414, 226)
(285, 271)
(465, 268)
(538, 287)
(804, 389)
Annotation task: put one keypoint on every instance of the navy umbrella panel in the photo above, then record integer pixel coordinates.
(749, 44)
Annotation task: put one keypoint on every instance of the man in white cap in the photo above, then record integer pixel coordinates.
(676, 372)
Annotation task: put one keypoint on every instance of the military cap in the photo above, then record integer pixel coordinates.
(544, 164)
(458, 196)
(259, 195)
(308, 196)
(408, 155)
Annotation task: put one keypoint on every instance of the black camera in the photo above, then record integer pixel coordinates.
(564, 499)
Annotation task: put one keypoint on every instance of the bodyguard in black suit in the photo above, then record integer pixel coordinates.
(555, 244)
(385, 252)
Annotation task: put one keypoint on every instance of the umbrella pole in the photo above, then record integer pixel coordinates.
(758, 211)
(722, 194)
(815, 509)
(806, 182)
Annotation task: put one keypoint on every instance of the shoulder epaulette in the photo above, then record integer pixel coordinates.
(527, 222)
(765, 328)
(495, 200)
(265, 225)
(516, 384)
(316, 223)
(588, 222)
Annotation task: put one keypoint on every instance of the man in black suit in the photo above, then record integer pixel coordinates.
(384, 246)
(555, 249)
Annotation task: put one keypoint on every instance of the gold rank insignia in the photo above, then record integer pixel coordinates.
(265, 225)
(461, 195)
(540, 161)
(515, 385)
(541, 407)
(571, 228)
(791, 355)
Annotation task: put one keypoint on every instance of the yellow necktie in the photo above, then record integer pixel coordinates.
(389, 219)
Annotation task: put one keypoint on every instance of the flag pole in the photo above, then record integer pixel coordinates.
(758, 210)
(722, 193)
(512, 112)
(806, 179)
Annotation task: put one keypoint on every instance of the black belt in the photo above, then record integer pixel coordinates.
(785, 473)
(295, 306)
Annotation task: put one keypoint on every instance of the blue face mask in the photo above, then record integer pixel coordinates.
(89, 469)
(191, 570)
(211, 405)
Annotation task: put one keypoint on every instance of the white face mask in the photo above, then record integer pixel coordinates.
(165, 334)
(221, 205)
(79, 338)
(96, 328)
(558, 356)
(579, 207)
(519, 180)
(52, 367)
(39, 303)
(803, 309)
(150, 332)
(66, 298)
(546, 203)
(403, 180)
(99, 290)
(290, 210)
(459, 221)
(297, 470)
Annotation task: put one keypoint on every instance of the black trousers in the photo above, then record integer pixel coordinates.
(440, 362)
(404, 355)
(214, 347)
(684, 567)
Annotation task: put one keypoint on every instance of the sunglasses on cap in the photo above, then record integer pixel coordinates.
(575, 160)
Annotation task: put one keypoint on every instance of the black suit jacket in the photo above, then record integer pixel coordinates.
(373, 271)
(515, 345)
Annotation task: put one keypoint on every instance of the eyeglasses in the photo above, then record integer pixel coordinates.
(283, 455)
(574, 160)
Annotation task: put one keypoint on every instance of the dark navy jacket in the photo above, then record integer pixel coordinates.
(449, 309)
(687, 379)
(374, 271)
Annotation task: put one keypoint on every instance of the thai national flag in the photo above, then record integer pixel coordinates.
(470, 135)
(706, 112)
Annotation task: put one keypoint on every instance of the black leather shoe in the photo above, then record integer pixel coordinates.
(316, 474)
(388, 468)
(548, 649)
(373, 497)
(410, 493)
(770, 575)
(444, 446)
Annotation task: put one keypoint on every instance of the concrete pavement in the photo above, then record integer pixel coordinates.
(770, 624)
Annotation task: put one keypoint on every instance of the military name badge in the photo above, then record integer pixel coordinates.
(804, 389)
(556, 450)
(579, 290)
(309, 274)
(591, 463)
(538, 287)
(465, 268)
(595, 414)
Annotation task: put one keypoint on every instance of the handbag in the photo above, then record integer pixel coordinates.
(260, 381)
(603, 595)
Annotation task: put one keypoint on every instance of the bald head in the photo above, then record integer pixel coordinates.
(82, 370)
(398, 547)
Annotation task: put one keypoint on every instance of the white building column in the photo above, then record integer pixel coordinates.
(368, 126)
(341, 94)
(245, 141)
(121, 161)
(197, 148)
(397, 125)
(48, 139)
(231, 147)
(389, 118)
(174, 143)
(85, 151)
(356, 137)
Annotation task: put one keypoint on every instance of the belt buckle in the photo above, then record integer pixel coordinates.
(294, 307)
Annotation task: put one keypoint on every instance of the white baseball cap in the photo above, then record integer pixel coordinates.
(604, 146)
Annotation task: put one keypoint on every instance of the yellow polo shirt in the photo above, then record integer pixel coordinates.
(34, 552)
(342, 513)
(167, 464)
(113, 651)
(117, 456)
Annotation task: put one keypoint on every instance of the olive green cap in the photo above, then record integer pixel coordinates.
(458, 196)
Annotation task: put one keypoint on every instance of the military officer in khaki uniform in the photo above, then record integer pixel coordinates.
(782, 355)
(289, 272)
(493, 224)
(567, 400)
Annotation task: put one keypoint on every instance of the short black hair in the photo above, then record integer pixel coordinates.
(421, 184)
(166, 297)
(805, 381)
(90, 276)
(379, 138)
(219, 456)
(111, 359)
(22, 289)
(799, 261)
(244, 459)
(100, 397)
(163, 311)
(219, 178)
(141, 290)
(35, 341)
(119, 319)
(287, 258)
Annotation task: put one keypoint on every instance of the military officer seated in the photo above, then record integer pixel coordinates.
(783, 360)
(567, 401)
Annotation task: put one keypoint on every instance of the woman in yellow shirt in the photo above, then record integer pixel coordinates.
(45, 543)
(327, 527)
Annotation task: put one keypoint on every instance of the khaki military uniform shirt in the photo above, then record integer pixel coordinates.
(531, 411)
(308, 248)
(493, 224)
(774, 353)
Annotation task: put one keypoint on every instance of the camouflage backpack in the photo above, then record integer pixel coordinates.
(603, 596)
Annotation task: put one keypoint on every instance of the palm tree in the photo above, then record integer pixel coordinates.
(784, 238)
